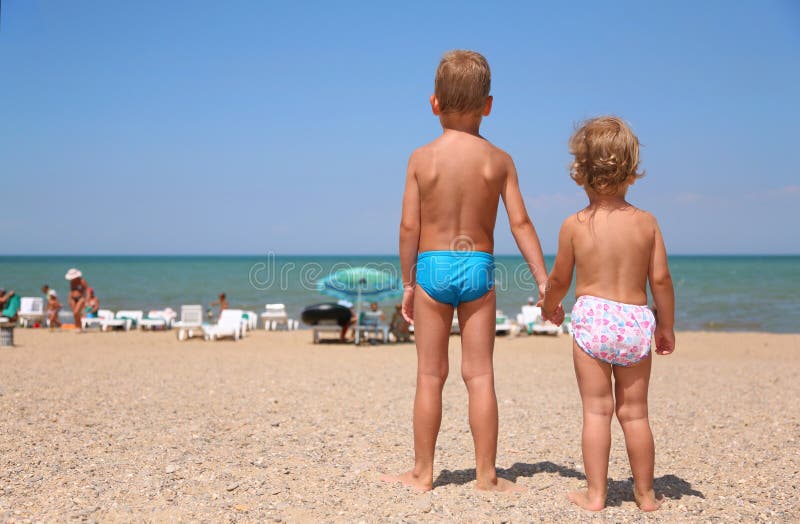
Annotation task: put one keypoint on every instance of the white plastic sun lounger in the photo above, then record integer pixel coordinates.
(31, 309)
(103, 315)
(229, 325)
(502, 326)
(125, 319)
(158, 319)
(251, 318)
(275, 316)
(329, 327)
(191, 322)
(134, 316)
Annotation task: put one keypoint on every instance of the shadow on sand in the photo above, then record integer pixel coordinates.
(619, 491)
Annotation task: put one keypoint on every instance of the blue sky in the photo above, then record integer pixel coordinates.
(247, 127)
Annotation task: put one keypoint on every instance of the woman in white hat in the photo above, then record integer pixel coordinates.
(78, 289)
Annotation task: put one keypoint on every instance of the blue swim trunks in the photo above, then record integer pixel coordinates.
(452, 277)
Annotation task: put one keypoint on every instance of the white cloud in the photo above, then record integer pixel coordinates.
(790, 191)
(689, 198)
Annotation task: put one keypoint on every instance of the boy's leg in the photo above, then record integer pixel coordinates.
(477, 321)
(594, 383)
(432, 322)
(631, 391)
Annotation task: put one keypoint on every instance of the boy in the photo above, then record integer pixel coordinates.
(222, 302)
(615, 249)
(453, 187)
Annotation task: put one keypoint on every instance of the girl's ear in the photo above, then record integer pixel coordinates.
(435, 106)
(487, 108)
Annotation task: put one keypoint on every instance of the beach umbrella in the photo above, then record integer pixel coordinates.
(360, 283)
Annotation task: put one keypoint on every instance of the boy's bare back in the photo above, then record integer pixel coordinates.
(623, 238)
(460, 178)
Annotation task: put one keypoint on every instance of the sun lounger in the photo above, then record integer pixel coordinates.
(275, 316)
(191, 322)
(252, 319)
(135, 316)
(502, 325)
(229, 325)
(318, 329)
(125, 319)
(158, 319)
(31, 309)
(370, 324)
(103, 315)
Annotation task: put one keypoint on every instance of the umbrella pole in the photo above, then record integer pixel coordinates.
(358, 315)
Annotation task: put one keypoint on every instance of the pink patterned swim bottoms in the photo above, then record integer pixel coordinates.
(613, 332)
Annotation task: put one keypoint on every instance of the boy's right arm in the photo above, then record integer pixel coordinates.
(522, 227)
(663, 295)
(409, 239)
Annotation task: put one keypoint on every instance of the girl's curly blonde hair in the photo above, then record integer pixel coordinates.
(606, 154)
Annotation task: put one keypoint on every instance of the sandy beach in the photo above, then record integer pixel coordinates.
(137, 426)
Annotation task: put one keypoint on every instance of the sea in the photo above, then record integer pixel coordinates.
(713, 293)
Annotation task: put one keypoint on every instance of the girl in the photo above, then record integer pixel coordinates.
(615, 249)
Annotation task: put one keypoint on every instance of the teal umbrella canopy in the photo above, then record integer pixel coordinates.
(360, 283)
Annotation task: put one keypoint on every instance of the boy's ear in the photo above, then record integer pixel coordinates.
(435, 106)
(487, 108)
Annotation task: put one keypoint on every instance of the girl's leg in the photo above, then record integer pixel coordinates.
(594, 383)
(631, 392)
(477, 323)
(432, 322)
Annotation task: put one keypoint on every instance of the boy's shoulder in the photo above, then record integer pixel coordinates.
(429, 150)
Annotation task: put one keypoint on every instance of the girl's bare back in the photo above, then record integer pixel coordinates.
(613, 248)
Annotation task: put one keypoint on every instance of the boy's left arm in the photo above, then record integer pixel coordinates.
(522, 227)
(560, 277)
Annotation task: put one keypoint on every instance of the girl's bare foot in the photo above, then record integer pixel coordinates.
(499, 485)
(581, 498)
(410, 479)
(648, 501)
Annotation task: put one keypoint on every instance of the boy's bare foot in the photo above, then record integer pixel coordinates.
(581, 498)
(410, 479)
(499, 485)
(648, 501)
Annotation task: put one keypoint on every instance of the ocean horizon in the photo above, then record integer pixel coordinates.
(713, 292)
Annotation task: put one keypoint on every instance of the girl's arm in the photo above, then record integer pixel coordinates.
(409, 239)
(522, 228)
(663, 295)
(561, 277)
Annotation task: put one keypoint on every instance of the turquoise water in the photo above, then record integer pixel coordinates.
(727, 293)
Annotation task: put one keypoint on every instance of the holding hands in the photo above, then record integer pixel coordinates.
(556, 315)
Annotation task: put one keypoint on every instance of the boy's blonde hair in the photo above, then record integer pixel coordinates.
(606, 154)
(463, 81)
